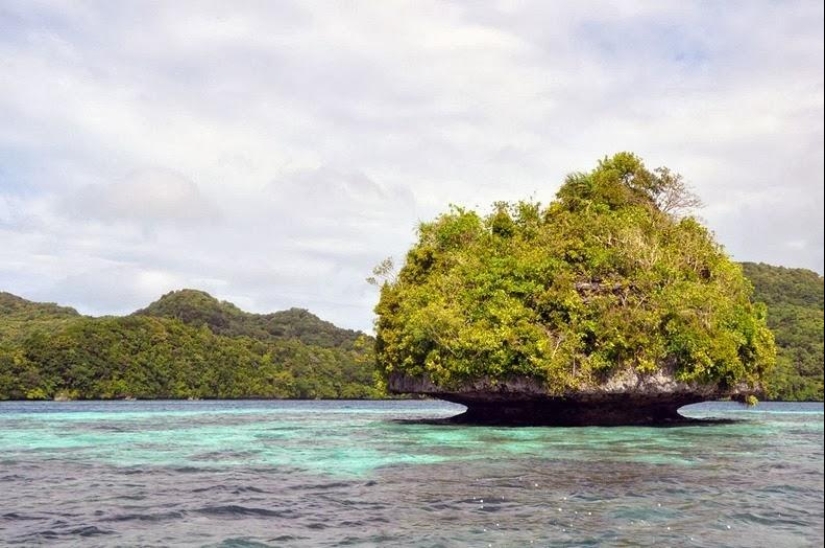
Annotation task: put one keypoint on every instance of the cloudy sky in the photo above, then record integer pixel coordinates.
(271, 153)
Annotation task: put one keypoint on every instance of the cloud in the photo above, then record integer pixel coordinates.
(282, 149)
(147, 197)
(336, 203)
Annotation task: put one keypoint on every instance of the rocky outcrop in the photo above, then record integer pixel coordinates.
(627, 398)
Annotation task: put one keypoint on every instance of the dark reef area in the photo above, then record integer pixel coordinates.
(652, 400)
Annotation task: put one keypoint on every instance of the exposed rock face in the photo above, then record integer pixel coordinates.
(625, 399)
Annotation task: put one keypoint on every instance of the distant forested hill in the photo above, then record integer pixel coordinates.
(795, 315)
(13, 307)
(17, 316)
(197, 308)
(185, 345)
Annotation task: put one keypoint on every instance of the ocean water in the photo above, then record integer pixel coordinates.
(273, 473)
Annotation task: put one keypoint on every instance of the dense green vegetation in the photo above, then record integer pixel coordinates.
(198, 308)
(795, 314)
(17, 316)
(186, 345)
(14, 308)
(607, 277)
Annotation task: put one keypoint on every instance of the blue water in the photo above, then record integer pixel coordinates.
(275, 473)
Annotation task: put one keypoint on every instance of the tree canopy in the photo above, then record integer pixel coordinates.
(795, 314)
(186, 345)
(610, 276)
(198, 308)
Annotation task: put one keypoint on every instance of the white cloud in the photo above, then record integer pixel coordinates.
(147, 197)
(281, 149)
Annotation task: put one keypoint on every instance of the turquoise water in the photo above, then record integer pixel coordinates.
(274, 473)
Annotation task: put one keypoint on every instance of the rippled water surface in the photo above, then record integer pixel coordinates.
(255, 473)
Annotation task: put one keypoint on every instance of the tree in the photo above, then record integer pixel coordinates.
(604, 279)
(795, 314)
(187, 344)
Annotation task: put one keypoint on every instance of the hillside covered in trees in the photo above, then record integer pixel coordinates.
(610, 283)
(795, 315)
(190, 345)
(197, 308)
(609, 292)
(185, 345)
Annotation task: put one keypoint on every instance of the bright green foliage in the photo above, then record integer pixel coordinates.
(58, 354)
(605, 278)
(795, 314)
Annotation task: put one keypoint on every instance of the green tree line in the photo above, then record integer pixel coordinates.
(179, 347)
(794, 297)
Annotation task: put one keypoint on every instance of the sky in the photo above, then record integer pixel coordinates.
(272, 153)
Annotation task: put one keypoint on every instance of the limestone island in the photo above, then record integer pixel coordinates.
(609, 306)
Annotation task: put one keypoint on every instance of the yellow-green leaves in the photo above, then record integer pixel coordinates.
(605, 278)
